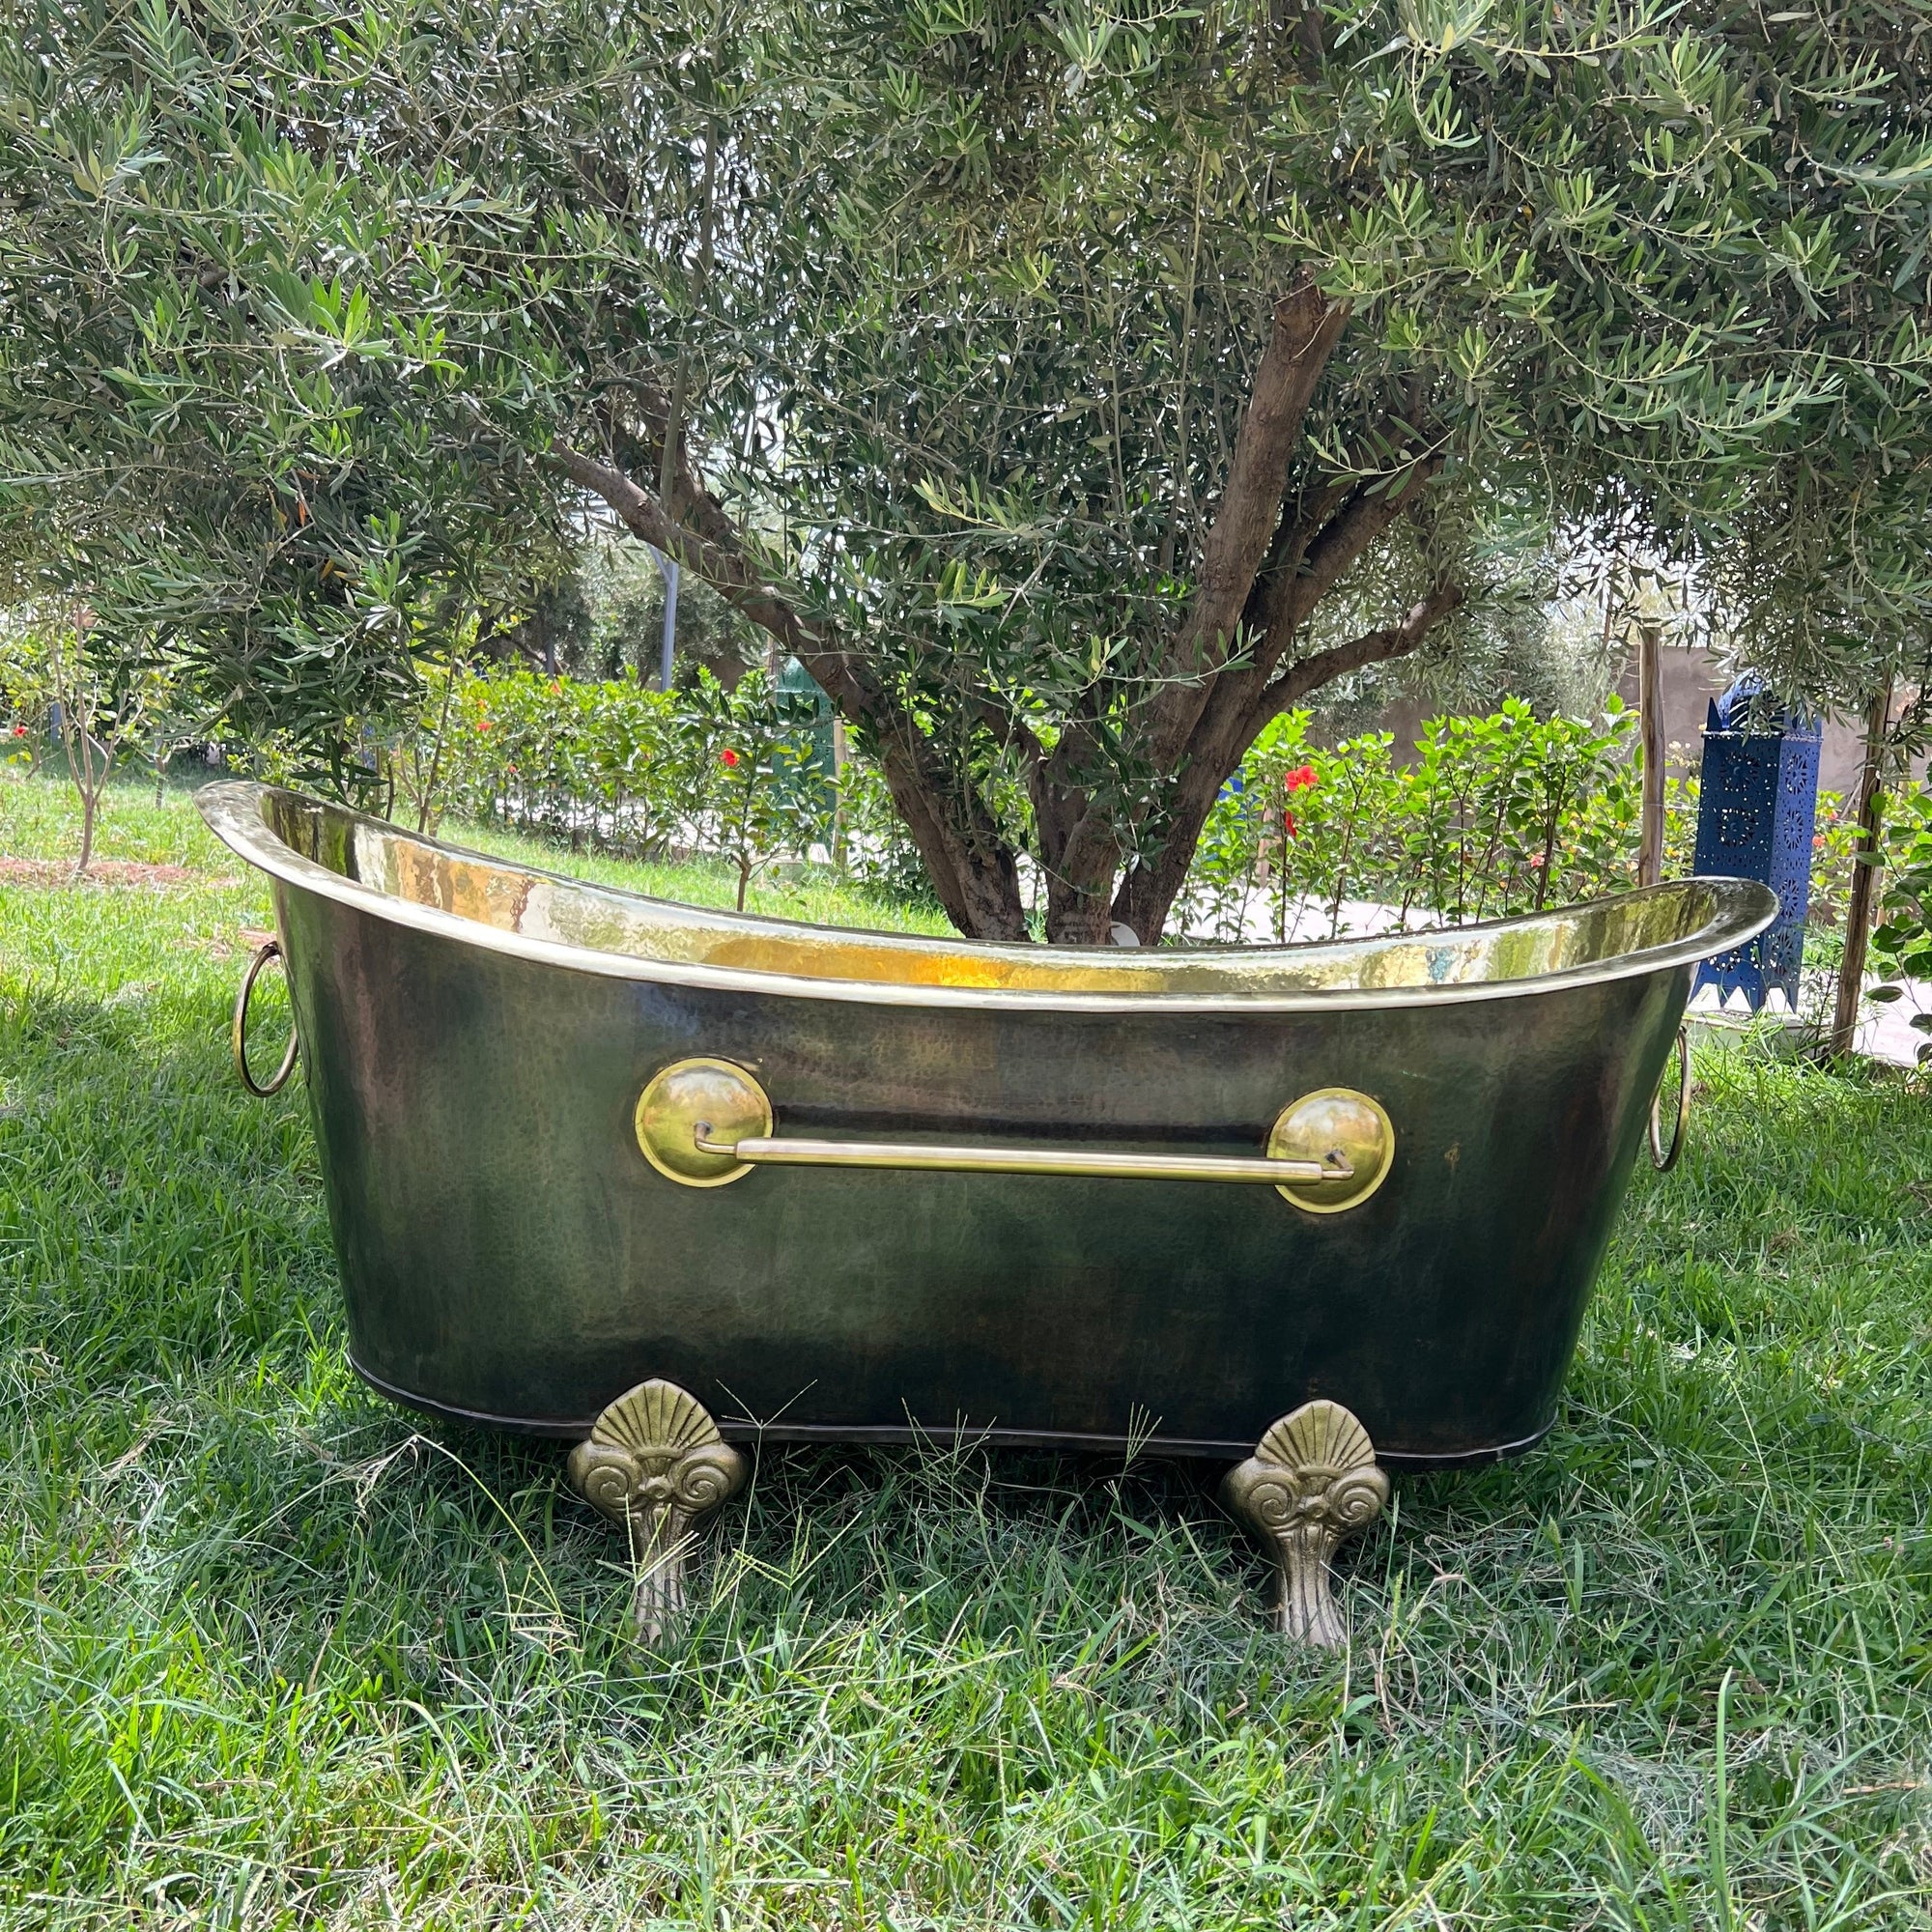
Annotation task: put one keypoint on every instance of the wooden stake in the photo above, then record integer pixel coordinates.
(842, 757)
(1650, 698)
(1864, 876)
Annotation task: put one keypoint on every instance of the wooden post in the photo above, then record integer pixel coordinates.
(1864, 876)
(842, 757)
(1650, 698)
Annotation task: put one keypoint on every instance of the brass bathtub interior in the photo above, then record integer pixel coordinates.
(540, 906)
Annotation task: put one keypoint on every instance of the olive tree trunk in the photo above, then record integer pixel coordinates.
(1235, 661)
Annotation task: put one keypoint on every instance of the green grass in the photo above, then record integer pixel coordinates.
(273, 1654)
(791, 892)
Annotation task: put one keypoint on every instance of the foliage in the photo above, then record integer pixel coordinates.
(741, 773)
(253, 395)
(609, 760)
(26, 698)
(98, 703)
(605, 616)
(1073, 391)
(1050, 476)
(1835, 841)
(1495, 815)
(273, 1650)
(1822, 572)
(1901, 944)
(757, 790)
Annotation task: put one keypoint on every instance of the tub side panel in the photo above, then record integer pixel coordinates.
(507, 1250)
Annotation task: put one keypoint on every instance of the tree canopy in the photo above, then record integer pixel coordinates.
(1072, 391)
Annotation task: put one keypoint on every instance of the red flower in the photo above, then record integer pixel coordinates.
(1817, 837)
(727, 757)
(1288, 824)
(20, 731)
(557, 688)
(482, 723)
(1536, 862)
(1300, 779)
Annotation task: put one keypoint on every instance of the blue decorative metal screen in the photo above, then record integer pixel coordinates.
(1756, 813)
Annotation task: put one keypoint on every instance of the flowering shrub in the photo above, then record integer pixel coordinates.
(608, 763)
(758, 788)
(744, 775)
(1493, 815)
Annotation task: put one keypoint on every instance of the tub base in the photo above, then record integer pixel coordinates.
(904, 1435)
(1312, 1481)
(656, 1464)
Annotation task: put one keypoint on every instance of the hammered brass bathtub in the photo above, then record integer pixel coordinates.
(658, 1180)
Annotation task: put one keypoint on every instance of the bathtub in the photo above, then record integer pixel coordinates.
(659, 1180)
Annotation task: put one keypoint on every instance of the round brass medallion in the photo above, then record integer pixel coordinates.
(688, 1095)
(1334, 1120)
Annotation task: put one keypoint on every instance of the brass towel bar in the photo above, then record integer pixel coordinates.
(785, 1151)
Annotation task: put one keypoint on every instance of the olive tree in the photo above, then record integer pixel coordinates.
(258, 400)
(1070, 391)
(1122, 379)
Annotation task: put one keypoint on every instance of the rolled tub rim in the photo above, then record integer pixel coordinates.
(1740, 909)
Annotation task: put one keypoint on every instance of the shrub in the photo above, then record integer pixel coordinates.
(1495, 815)
(1492, 816)
(1901, 944)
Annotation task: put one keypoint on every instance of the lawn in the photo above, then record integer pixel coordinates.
(272, 1652)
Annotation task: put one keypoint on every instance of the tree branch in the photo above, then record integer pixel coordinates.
(716, 556)
(1307, 327)
(1148, 891)
(972, 870)
(1394, 640)
(1284, 600)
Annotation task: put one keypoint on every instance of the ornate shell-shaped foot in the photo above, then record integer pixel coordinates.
(656, 1464)
(1312, 1482)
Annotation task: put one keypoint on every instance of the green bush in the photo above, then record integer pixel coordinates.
(1491, 815)
(1495, 815)
(612, 762)
(744, 774)
(1901, 945)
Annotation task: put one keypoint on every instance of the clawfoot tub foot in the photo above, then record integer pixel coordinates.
(1312, 1481)
(656, 1464)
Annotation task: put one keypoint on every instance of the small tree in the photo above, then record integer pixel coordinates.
(173, 716)
(756, 748)
(97, 702)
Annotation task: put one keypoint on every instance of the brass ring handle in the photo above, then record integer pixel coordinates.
(238, 1032)
(1661, 1160)
(787, 1152)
